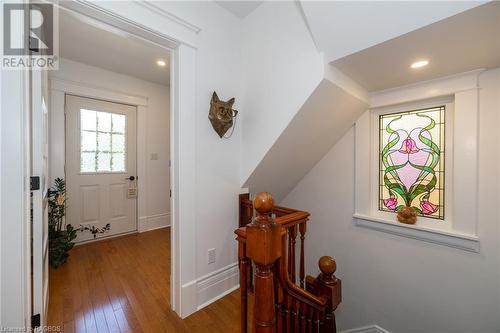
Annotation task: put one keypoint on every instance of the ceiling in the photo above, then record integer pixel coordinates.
(341, 28)
(464, 42)
(240, 8)
(93, 43)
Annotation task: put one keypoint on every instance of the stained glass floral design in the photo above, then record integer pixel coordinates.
(412, 161)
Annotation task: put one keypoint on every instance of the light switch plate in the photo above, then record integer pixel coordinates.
(211, 256)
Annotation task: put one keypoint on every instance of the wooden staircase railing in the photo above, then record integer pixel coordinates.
(267, 242)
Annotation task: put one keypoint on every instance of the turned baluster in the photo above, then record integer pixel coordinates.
(243, 285)
(292, 236)
(245, 217)
(302, 230)
(264, 248)
(288, 313)
(328, 286)
(315, 321)
(296, 315)
(245, 211)
(304, 313)
(280, 304)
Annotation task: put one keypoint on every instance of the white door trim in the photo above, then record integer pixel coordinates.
(97, 92)
(15, 234)
(15, 162)
(181, 40)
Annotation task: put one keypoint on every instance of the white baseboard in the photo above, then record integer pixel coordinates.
(207, 289)
(152, 222)
(216, 285)
(366, 329)
(188, 299)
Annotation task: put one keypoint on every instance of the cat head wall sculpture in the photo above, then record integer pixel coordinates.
(221, 114)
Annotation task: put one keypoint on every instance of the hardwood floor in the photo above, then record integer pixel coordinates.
(122, 285)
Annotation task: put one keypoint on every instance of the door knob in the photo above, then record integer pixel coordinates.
(131, 178)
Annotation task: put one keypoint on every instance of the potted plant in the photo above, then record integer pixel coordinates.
(61, 234)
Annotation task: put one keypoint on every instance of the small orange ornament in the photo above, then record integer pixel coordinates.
(407, 215)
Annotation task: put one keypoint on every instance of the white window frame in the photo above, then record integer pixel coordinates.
(460, 96)
(446, 224)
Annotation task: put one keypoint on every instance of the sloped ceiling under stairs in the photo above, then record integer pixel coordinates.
(322, 120)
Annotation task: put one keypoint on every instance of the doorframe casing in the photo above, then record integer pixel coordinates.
(180, 38)
(136, 18)
(15, 199)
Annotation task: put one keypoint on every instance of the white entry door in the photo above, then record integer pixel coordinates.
(101, 166)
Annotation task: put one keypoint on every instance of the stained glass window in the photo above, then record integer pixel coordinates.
(102, 141)
(411, 160)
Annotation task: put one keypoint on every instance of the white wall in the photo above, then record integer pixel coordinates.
(341, 28)
(282, 69)
(156, 212)
(217, 160)
(401, 284)
(319, 123)
(218, 67)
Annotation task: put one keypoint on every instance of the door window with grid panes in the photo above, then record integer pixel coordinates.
(103, 141)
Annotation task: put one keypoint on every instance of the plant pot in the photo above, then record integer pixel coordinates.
(60, 243)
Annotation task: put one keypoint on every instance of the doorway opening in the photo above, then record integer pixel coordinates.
(110, 140)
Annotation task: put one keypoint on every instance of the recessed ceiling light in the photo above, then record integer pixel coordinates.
(419, 64)
(161, 63)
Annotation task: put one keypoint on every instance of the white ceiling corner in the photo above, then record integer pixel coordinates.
(239, 8)
(341, 28)
(461, 43)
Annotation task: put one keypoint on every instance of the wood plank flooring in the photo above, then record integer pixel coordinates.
(122, 285)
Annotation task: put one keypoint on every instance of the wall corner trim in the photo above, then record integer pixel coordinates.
(366, 329)
(448, 238)
(160, 11)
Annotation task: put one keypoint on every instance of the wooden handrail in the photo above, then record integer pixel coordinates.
(306, 297)
(278, 210)
(280, 304)
(285, 220)
(293, 218)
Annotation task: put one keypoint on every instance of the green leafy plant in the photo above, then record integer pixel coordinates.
(61, 234)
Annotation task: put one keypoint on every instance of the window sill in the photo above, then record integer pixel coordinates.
(453, 239)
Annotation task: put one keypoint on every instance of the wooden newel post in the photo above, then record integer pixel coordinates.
(264, 248)
(328, 286)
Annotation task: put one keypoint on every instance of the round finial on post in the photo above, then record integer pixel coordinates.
(328, 266)
(263, 203)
